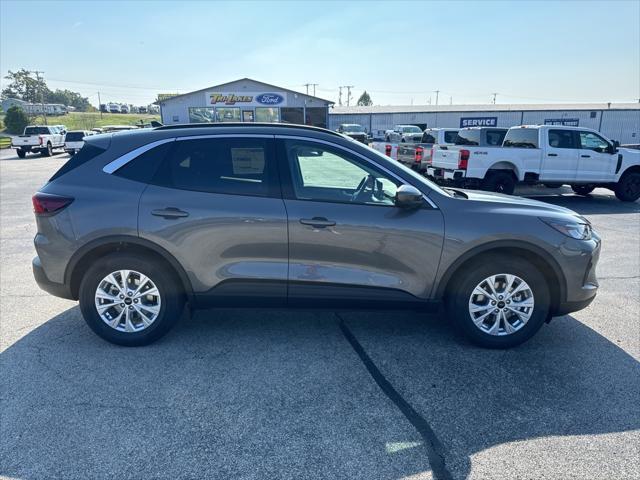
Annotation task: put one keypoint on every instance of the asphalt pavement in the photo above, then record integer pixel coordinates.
(257, 394)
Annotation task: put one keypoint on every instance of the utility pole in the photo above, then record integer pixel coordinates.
(340, 96)
(307, 86)
(348, 87)
(99, 105)
(437, 92)
(494, 97)
(314, 85)
(44, 114)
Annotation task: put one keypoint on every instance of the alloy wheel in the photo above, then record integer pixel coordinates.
(501, 304)
(127, 301)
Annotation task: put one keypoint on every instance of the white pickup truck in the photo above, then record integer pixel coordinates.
(42, 139)
(547, 154)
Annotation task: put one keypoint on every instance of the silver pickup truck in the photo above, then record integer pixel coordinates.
(40, 139)
(418, 155)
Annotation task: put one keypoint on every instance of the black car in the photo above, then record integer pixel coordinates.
(354, 130)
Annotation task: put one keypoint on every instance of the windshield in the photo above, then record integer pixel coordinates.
(411, 129)
(353, 128)
(415, 175)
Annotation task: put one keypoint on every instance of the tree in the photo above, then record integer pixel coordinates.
(15, 120)
(24, 87)
(365, 100)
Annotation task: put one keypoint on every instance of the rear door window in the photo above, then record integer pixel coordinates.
(521, 138)
(468, 137)
(236, 166)
(562, 139)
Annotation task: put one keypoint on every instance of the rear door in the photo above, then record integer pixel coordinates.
(560, 161)
(347, 239)
(596, 163)
(215, 205)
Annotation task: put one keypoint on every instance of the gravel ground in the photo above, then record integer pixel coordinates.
(257, 394)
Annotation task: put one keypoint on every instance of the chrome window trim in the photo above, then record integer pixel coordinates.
(122, 160)
(363, 157)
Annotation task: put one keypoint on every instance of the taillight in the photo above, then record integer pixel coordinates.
(463, 159)
(47, 203)
(387, 150)
(430, 159)
(41, 139)
(419, 154)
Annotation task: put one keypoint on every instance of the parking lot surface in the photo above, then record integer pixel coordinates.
(257, 394)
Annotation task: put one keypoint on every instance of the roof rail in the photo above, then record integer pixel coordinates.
(245, 125)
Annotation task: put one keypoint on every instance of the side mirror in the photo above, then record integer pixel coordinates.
(408, 196)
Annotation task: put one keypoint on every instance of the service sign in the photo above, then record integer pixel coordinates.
(566, 122)
(478, 122)
(247, 99)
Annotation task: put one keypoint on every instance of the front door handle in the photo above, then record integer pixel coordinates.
(552, 154)
(317, 222)
(585, 156)
(169, 213)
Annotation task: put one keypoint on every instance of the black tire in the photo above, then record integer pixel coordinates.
(47, 152)
(172, 298)
(583, 189)
(462, 286)
(21, 153)
(500, 182)
(628, 187)
(552, 185)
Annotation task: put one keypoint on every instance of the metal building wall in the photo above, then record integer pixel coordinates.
(621, 125)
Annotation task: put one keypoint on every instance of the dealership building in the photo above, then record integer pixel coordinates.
(618, 121)
(245, 100)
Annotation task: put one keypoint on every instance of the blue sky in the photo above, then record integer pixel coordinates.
(400, 52)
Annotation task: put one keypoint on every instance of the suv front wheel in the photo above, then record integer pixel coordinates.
(130, 300)
(499, 301)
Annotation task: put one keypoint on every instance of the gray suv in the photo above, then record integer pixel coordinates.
(139, 223)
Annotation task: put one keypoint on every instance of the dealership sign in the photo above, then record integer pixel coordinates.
(248, 99)
(478, 122)
(567, 122)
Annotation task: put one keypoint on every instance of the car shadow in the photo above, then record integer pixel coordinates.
(280, 393)
(600, 201)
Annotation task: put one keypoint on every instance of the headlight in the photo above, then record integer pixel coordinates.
(571, 228)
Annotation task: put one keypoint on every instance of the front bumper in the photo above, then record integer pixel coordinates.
(56, 289)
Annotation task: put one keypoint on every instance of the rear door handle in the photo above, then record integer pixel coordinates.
(317, 222)
(552, 154)
(585, 156)
(169, 213)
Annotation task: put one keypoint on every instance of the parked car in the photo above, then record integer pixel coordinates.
(142, 109)
(403, 133)
(42, 139)
(354, 130)
(546, 154)
(74, 140)
(295, 216)
(114, 108)
(124, 108)
(418, 155)
(103, 108)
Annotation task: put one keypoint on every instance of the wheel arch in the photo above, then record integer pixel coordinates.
(504, 165)
(101, 247)
(542, 260)
(631, 169)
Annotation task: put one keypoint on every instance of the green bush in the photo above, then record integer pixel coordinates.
(1, 125)
(16, 120)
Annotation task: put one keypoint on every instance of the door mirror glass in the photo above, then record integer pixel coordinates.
(408, 196)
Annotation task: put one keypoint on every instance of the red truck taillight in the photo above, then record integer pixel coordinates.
(419, 154)
(41, 139)
(463, 159)
(387, 150)
(430, 159)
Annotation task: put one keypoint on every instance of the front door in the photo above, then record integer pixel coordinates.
(347, 239)
(560, 162)
(597, 163)
(215, 205)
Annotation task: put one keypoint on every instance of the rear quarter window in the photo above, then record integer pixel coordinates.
(144, 166)
(495, 137)
(521, 138)
(87, 153)
(450, 137)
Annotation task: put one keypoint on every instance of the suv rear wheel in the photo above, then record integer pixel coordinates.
(499, 302)
(130, 300)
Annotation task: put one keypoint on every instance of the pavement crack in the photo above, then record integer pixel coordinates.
(618, 277)
(435, 449)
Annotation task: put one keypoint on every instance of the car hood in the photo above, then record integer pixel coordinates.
(502, 203)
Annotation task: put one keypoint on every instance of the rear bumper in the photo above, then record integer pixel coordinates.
(453, 177)
(56, 289)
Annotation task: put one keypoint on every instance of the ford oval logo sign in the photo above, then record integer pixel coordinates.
(269, 99)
